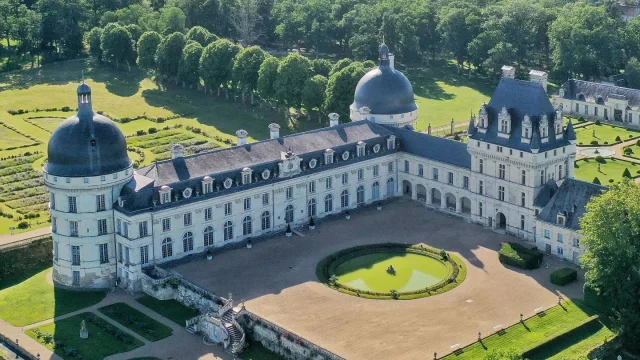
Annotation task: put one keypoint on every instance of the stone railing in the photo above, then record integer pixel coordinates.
(326, 354)
(228, 306)
(193, 321)
(237, 348)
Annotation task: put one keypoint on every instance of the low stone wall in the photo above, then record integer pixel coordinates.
(23, 259)
(281, 341)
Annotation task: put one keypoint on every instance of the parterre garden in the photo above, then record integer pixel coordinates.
(610, 170)
(605, 134)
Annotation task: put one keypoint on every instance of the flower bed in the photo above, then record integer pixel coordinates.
(457, 271)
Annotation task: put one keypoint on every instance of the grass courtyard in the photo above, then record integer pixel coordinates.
(610, 172)
(171, 309)
(605, 134)
(35, 299)
(136, 321)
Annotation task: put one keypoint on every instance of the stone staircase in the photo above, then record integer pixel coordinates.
(236, 336)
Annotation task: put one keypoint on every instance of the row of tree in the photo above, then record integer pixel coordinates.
(200, 59)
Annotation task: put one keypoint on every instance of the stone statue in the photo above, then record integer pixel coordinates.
(83, 330)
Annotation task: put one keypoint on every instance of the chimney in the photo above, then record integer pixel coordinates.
(242, 137)
(508, 72)
(539, 77)
(334, 119)
(177, 151)
(274, 131)
(391, 60)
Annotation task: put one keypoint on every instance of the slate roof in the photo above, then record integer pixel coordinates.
(593, 91)
(520, 98)
(572, 197)
(432, 147)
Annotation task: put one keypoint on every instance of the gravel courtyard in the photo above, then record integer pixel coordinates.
(277, 279)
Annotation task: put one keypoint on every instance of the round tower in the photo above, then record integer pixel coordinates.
(384, 95)
(87, 166)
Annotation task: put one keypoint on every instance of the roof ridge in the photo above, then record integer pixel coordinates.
(604, 84)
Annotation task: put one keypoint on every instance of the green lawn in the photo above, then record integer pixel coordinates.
(97, 346)
(35, 299)
(10, 138)
(610, 171)
(604, 134)
(576, 345)
(171, 309)
(136, 321)
(534, 330)
(255, 351)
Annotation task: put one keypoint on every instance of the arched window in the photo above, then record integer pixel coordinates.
(288, 214)
(375, 191)
(208, 236)
(360, 195)
(246, 226)
(391, 187)
(266, 220)
(311, 207)
(328, 203)
(187, 241)
(228, 231)
(167, 247)
(344, 199)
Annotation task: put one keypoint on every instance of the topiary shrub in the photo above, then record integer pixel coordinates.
(611, 181)
(626, 173)
(23, 225)
(628, 151)
(606, 143)
(596, 181)
(600, 159)
(581, 119)
(564, 276)
(522, 257)
(598, 122)
(618, 138)
(594, 142)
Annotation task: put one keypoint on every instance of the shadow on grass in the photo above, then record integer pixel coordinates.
(425, 81)
(19, 278)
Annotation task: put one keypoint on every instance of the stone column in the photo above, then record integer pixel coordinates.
(428, 195)
(443, 199)
(459, 204)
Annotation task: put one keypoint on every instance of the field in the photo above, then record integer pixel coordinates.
(604, 134)
(610, 171)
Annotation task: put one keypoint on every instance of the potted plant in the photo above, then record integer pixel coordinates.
(347, 215)
(379, 206)
(288, 231)
(209, 255)
(249, 243)
(312, 224)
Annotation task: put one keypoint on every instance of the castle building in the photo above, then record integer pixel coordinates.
(110, 221)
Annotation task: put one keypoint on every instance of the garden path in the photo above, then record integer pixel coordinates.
(618, 150)
(6, 239)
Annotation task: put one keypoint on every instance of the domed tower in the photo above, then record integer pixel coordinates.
(384, 95)
(86, 169)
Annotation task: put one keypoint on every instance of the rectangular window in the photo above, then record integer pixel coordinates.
(312, 187)
(523, 200)
(450, 178)
(524, 177)
(265, 199)
(289, 192)
(360, 151)
(360, 174)
(328, 158)
(227, 209)
(480, 209)
(521, 222)
(577, 107)
(104, 253)
(118, 226)
(55, 250)
(501, 193)
(499, 148)
(166, 224)
(73, 206)
(143, 228)
(480, 166)
(576, 242)
(127, 260)
(376, 170)
(54, 225)
(100, 203)
(595, 111)
(328, 183)
(390, 166)
(52, 201)
(75, 255)
(420, 170)
(125, 229)
(502, 170)
(541, 177)
(586, 109)
(480, 187)
(102, 226)
(406, 166)
(73, 228)
(120, 253)
(76, 278)
(560, 238)
(246, 179)
(247, 204)
(208, 214)
(465, 182)
(547, 234)
(187, 219)
(435, 174)
(560, 175)
(144, 254)
(345, 179)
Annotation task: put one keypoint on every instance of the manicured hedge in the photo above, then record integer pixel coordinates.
(564, 276)
(517, 255)
(590, 323)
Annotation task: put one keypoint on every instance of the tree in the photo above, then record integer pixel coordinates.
(244, 18)
(169, 54)
(459, 23)
(267, 76)
(216, 64)
(632, 70)
(61, 26)
(201, 35)
(95, 42)
(321, 67)
(341, 64)
(172, 20)
(116, 45)
(293, 71)
(246, 67)
(313, 94)
(135, 31)
(632, 38)
(341, 87)
(147, 48)
(611, 228)
(189, 67)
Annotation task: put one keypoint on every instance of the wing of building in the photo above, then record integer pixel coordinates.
(110, 221)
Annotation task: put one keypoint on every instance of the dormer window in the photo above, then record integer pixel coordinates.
(328, 156)
(246, 176)
(557, 123)
(360, 147)
(483, 118)
(504, 119)
(562, 219)
(207, 185)
(165, 194)
(391, 142)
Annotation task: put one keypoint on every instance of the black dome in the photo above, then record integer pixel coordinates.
(384, 91)
(87, 144)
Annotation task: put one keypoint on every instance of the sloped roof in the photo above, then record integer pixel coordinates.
(592, 91)
(572, 197)
(432, 147)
